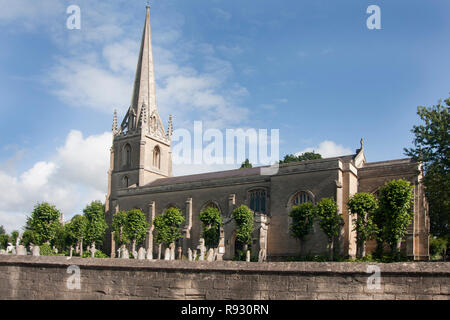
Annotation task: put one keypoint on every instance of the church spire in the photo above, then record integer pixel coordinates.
(144, 92)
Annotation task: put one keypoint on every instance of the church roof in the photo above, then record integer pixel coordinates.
(235, 173)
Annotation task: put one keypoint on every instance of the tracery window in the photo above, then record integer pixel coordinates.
(258, 200)
(301, 197)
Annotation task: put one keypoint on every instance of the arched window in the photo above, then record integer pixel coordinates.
(127, 155)
(211, 204)
(126, 182)
(258, 200)
(301, 197)
(157, 157)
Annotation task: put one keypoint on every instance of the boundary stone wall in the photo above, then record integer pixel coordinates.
(28, 277)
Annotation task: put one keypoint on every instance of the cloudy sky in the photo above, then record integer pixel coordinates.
(311, 69)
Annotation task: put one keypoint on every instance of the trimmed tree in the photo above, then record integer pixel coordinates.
(77, 230)
(330, 221)
(44, 222)
(211, 220)
(243, 218)
(362, 207)
(168, 226)
(396, 203)
(4, 239)
(118, 225)
(302, 220)
(95, 214)
(135, 227)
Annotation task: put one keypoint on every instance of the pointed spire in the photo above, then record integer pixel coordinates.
(114, 125)
(144, 83)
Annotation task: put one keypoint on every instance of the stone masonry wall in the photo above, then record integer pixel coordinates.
(27, 277)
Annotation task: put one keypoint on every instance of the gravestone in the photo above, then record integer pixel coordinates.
(194, 257)
(210, 255)
(247, 258)
(149, 255)
(202, 248)
(172, 251)
(167, 254)
(36, 251)
(189, 254)
(262, 255)
(2, 252)
(21, 250)
(141, 254)
(93, 250)
(124, 254)
(180, 253)
(159, 251)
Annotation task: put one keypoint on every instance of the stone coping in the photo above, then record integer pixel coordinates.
(399, 268)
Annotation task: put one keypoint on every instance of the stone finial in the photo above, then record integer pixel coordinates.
(114, 125)
(362, 143)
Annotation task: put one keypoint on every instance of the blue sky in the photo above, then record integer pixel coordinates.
(309, 68)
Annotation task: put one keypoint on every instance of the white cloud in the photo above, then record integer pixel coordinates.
(328, 149)
(74, 177)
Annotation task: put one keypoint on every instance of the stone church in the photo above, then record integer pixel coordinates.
(140, 176)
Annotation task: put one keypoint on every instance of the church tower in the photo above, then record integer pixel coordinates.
(141, 150)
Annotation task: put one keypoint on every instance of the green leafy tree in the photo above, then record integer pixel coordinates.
(362, 206)
(136, 227)
(432, 148)
(95, 214)
(4, 239)
(243, 218)
(77, 230)
(302, 157)
(27, 237)
(118, 225)
(396, 203)
(44, 222)
(211, 221)
(168, 226)
(246, 164)
(14, 236)
(303, 217)
(2, 229)
(330, 221)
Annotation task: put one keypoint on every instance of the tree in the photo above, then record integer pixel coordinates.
(246, 164)
(135, 227)
(4, 239)
(14, 236)
(302, 220)
(118, 225)
(27, 237)
(44, 222)
(211, 220)
(362, 206)
(396, 203)
(330, 221)
(76, 230)
(302, 157)
(243, 217)
(168, 226)
(432, 148)
(95, 214)
(2, 229)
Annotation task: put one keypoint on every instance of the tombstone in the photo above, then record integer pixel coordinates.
(221, 247)
(216, 253)
(36, 251)
(124, 254)
(172, 251)
(202, 248)
(141, 254)
(159, 251)
(13, 251)
(262, 255)
(21, 250)
(247, 258)
(2, 252)
(149, 255)
(167, 254)
(189, 254)
(9, 248)
(93, 250)
(210, 255)
(194, 257)
(180, 253)
(135, 254)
